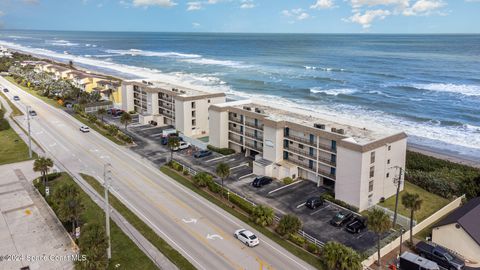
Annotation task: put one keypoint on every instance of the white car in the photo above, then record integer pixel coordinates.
(182, 145)
(84, 129)
(246, 237)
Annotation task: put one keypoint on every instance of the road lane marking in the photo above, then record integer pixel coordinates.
(213, 236)
(191, 220)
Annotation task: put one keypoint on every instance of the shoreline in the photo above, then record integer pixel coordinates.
(443, 154)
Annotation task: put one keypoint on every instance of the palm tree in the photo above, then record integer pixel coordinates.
(223, 171)
(43, 165)
(337, 256)
(101, 112)
(379, 223)
(126, 119)
(69, 204)
(262, 215)
(93, 243)
(414, 203)
(173, 142)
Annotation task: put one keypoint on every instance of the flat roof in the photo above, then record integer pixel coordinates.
(155, 86)
(351, 133)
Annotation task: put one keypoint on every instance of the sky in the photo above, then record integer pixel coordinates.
(277, 16)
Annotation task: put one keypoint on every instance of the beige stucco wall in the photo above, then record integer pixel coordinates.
(272, 144)
(218, 124)
(457, 240)
(127, 98)
(349, 172)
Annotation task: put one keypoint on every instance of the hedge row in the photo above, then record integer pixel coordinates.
(223, 151)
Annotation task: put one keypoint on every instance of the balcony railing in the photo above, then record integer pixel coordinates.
(251, 145)
(327, 161)
(252, 125)
(236, 120)
(312, 143)
(235, 139)
(253, 136)
(302, 152)
(234, 129)
(306, 165)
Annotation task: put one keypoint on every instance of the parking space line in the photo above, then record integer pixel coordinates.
(241, 165)
(313, 213)
(217, 158)
(245, 176)
(300, 205)
(282, 187)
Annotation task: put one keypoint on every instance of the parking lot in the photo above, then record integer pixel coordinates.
(290, 199)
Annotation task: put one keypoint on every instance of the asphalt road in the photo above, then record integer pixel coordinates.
(201, 231)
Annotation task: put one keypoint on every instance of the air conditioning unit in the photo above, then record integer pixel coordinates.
(333, 129)
(183, 91)
(319, 126)
(341, 131)
(247, 108)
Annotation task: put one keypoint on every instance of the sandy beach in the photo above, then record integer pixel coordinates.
(443, 154)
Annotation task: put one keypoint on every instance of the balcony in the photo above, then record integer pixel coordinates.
(301, 140)
(235, 139)
(302, 152)
(165, 105)
(327, 148)
(251, 145)
(253, 136)
(252, 125)
(327, 161)
(234, 129)
(326, 174)
(306, 165)
(235, 120)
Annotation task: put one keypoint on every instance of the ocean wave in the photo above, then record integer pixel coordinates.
(333, 92)
(135, 52)
(463, 89)
(61, 42)
(214, 62)
(324, 68)
(380, 93)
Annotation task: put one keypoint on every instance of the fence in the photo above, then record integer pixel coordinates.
(276, 218)
(420, 226)
(195, 142)
(92, 109)
(401, 219)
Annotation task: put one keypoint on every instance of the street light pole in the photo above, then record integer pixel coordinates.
(29, 137)
(106, 182)
(399, 183)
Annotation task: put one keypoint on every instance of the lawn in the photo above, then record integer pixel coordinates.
(99, 130)
(431, 202)
(125, 252)
(173, 255)
(13, 149)
(35, 93)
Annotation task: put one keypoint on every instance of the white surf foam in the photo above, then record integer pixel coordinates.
(328, 69)
(333, 92)
(463, 89)
(215, 62)
(61, 42)
(135, 52)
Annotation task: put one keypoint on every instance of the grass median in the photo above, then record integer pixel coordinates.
(173, 255)
(103, 132)
(13, 148)
(125, 253)
(300, 253)
(34, 93)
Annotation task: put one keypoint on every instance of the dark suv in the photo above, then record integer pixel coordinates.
(261, 181)
(341, 218)
(202, 153)
(314, 202)
(357, 225)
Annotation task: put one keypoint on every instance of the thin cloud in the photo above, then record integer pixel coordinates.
(146, 3)
(322, 4)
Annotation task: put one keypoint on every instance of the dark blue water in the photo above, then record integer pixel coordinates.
(427, 85)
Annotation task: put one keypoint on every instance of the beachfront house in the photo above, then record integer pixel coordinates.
(165, 104)
(358, 164)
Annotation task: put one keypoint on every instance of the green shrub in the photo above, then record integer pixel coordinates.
(213, 187)
(287, 180)
(297, 239)
(242, 204)
(185, 172)
(4, 125)
(202, 179)
(288, 224)
(312, 248)
(223, 151)
(262, 215)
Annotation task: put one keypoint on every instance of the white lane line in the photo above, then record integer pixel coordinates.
(105, 157)
(300, 205)
(241, 165)
(52, 144)
(313, 213)
(191, 220)
(217, 158)
(245, 176)
(213, 236)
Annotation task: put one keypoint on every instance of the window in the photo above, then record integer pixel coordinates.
(194, 114)
(372, 157)
(209, 101)
(388, 175)
(194, 122)
(193, 104)
(370, 186)
(300, 146)
(372, 171)
(388, 161)
(300, 158)
(389, 147)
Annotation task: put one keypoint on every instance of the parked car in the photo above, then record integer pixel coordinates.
(32, 113)
(16, 98)
(357, 225)
(5, 90)
(202, 153)
(410, 261)
(440, 255)
(246, 237)
(341, 218)
(261, 181)
(182, 145)
(165, 138)
(314, 202)
(84, 129)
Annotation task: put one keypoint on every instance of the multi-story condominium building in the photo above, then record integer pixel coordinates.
(169, 105)
(358, 164)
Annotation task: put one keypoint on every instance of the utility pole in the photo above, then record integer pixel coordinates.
(398, 182)
(29, 136)
(106, 182)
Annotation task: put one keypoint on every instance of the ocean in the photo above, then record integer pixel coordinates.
(426, 85)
